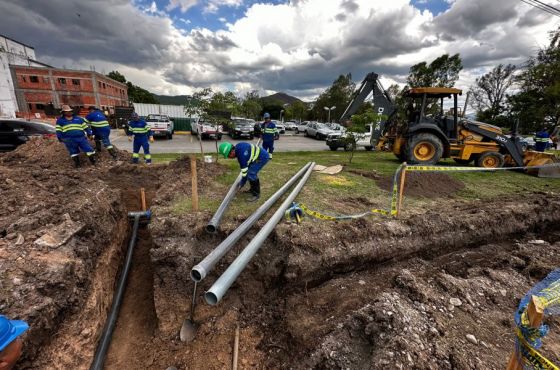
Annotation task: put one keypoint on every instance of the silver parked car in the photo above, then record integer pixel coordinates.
(318, 130)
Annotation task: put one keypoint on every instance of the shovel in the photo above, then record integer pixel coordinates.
(188, 330)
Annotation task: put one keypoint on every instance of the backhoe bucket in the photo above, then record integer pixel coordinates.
(535, 159)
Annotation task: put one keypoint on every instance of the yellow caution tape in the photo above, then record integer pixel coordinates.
(531, 356)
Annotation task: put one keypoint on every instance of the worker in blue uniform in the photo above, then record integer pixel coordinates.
(269, 132)
(541, 140)
(10, 341)
(142, 134)
(72, 130)
(101, 130)
(252, 159)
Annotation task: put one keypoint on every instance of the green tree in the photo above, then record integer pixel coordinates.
(337, 95)
(296, 111)
(136, 94)
(490, 92)
(442, 72)
(360, 125)
(538, 100)
(251, 106)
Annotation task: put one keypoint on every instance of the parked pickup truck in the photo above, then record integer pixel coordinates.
(161, 125)
(337, 140)
(206, 130)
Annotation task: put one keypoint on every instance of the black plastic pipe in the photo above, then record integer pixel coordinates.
(107, 333)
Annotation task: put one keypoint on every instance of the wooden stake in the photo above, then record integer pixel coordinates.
(401, 189)
(535, 311)
(143, 199)
(236, 348)
(194, 180)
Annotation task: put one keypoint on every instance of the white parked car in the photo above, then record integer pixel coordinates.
(161, 125)
(207, 130)
(290, 125)
(318, 130)
(300, 128)
(337, 140)
(280, 127)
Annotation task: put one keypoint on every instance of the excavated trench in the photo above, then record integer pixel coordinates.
(318, 295)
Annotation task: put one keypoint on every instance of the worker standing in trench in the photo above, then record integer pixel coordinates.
(72, 130)
(269, 131)
(10, 342)
(252, 159)
(101, 130)
(142, 134)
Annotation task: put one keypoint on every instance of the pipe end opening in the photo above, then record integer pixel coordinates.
(211, 229)
(196, 275)
(211, 298)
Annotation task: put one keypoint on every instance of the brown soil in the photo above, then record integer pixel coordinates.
(364, 294)
(424, 184)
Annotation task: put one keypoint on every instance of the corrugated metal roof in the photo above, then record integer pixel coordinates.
(144, 109)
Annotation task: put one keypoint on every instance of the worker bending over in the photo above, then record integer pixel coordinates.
(10, 342)
(101, 130)
(73, 132)
(269, 132)
(142, 134)
(252, 159)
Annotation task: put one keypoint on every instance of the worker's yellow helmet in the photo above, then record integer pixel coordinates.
(225, 148)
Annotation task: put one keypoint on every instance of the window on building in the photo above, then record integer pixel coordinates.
(24, 79)
(30, 106)
(40, 106)
(99, 84)
(76, 82)
(34, 79)
(103, 84)
(62, 81)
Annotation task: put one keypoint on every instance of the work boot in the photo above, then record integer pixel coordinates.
(98, 145)
(113, 153)
(76, 160)
(255, 191)
(92, 159)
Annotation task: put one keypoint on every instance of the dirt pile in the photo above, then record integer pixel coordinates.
(50, 153)
(424, 184)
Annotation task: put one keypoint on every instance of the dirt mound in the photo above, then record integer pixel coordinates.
(425, 184)
(50, 153)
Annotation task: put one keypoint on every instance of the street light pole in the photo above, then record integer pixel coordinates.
(282, 111)
(329, 109)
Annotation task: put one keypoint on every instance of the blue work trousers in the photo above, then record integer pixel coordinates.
(75, 144)
(141, 142)
(268, 146)
(102, 134)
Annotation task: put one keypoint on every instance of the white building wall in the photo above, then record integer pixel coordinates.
(177, 111)
(12, 52)
(8, 103)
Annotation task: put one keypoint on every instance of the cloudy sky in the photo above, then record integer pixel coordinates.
(297, 46)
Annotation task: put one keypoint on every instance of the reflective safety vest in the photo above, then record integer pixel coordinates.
(269, 131)
(71, 128)
(139, 128)
(246, 154)
(97, 119)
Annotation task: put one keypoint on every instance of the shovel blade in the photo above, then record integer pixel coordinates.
(188, 331)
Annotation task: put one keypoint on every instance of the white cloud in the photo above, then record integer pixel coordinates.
(184, 5)
(298, 47)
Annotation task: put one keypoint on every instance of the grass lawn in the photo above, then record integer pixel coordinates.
(347, 192)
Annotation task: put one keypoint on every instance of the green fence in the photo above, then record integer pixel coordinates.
(181, 124)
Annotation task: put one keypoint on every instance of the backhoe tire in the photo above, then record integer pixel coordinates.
(334, 148)
(423, 148)
(463, 162)
(490, 160)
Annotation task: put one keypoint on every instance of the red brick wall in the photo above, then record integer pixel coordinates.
(72, 87)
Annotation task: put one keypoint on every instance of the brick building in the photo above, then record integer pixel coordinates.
(40, 89)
